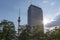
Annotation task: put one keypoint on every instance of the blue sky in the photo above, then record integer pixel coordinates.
(9, 9)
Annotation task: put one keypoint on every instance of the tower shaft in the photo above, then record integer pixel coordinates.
(19, 28)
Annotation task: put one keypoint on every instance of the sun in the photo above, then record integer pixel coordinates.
(46, 20)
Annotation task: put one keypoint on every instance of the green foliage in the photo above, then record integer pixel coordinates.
(39, 33)
(25, 34)
(54, 34)
(8, 30)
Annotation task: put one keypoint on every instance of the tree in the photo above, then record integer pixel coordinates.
(57, 33)
(8, 30)
(54, 34)
(25, 33)
(35, 34)
(38, 32)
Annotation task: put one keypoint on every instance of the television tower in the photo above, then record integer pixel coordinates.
(19, 28)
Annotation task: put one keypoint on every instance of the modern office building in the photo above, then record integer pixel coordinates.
(35, 16)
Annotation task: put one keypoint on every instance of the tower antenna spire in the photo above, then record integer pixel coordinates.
(19, 28)
(19, 12)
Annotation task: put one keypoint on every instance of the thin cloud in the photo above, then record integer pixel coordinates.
(45, 1)
(54, 23)
(58, 12)
(52, 3)
(49, 2)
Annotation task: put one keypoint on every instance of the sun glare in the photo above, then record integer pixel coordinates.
(45, 21)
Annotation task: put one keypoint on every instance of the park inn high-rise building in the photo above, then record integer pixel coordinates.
(35, 16)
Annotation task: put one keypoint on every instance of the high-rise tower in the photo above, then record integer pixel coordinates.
(19, 28)
(35, 16)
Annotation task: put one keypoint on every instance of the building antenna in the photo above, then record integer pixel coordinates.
(19, 28)
(19, 12)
